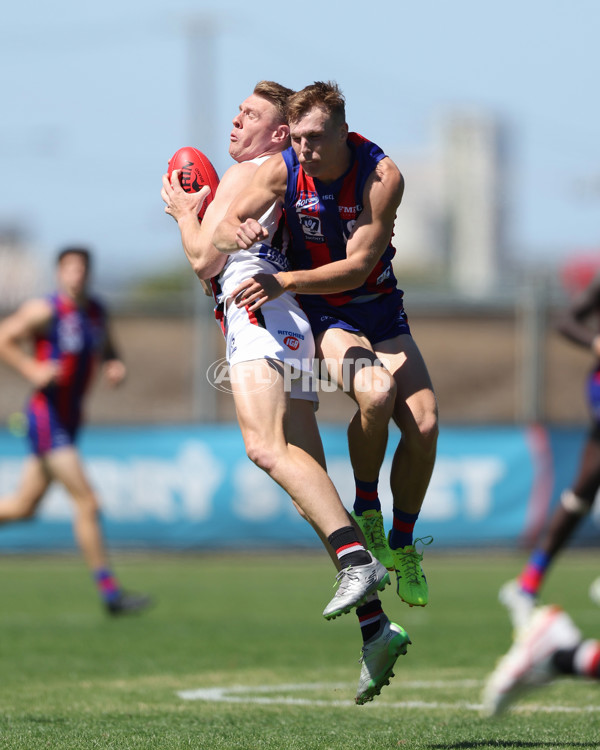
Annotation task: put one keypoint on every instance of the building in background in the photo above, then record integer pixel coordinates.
(453, 222)
(473, 190)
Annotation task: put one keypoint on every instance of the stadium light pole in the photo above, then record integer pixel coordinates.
(201, 33)
(532, 313)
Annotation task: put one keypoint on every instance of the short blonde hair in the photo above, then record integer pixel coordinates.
(325, 95)
(275, 93)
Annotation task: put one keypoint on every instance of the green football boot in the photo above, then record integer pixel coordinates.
(379, 654)
(371, 525)
(411, 583)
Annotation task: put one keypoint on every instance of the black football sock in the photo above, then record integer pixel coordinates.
(369, 616)
(347, 547)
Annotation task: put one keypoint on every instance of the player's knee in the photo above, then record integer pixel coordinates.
(422, 436)
(579, 506)
(429, 430)
(378, 403)
(260, 453)
(88, 505)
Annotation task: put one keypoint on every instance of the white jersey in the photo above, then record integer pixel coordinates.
(268, 256)
(279, 330)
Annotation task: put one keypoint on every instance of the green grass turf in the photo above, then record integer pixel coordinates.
(70, 677)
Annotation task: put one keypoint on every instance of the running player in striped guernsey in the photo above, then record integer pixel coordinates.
(340, 194)
(70, 336)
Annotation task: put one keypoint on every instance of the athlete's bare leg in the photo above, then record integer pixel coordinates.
(407, 397)
(587, 481)
(23, 503)
(65, 466)
(415, 413)
(303, 432)
(350, 360)
(575, 504)
(264, 418)
(570, 512)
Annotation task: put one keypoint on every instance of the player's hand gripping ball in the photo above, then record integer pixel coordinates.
(195, 171)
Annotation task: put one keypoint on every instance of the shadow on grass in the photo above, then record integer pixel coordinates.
(504, 743)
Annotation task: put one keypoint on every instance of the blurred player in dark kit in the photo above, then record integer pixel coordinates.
(521, 595)
(70, 336)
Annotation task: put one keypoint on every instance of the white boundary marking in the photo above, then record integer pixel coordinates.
(256, 694)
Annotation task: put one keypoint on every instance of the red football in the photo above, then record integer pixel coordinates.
(195, 172)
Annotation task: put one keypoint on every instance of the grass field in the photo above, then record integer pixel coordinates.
(248, 632)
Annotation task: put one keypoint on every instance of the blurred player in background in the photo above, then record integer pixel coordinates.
(279, 428)
(340, 193)
(548, 646)
(70, 337)
(520, 596)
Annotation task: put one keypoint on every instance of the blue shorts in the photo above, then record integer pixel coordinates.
(45, 430)
(593, 395)
(378, 319)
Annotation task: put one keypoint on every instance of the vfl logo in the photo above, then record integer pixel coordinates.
(311, 225)
(385, 275)
(291, 342)
(232, 346)
(349, 227)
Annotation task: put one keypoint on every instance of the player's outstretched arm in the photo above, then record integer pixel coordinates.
(196, 237)
(31, 317)
(240, 228)
(184, 207)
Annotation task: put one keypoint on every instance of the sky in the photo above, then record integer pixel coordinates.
(97, 97)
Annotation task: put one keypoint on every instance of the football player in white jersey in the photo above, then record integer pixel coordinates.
(278, 426)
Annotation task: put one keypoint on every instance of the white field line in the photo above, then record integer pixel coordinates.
(255, 694)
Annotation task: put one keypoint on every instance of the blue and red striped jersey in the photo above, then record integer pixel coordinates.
(321, 216)
(74, 338)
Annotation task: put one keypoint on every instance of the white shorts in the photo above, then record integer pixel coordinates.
(279, 331)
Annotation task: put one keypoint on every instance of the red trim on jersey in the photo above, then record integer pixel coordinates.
(251, 316)
(220, 318)
(39, 406)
